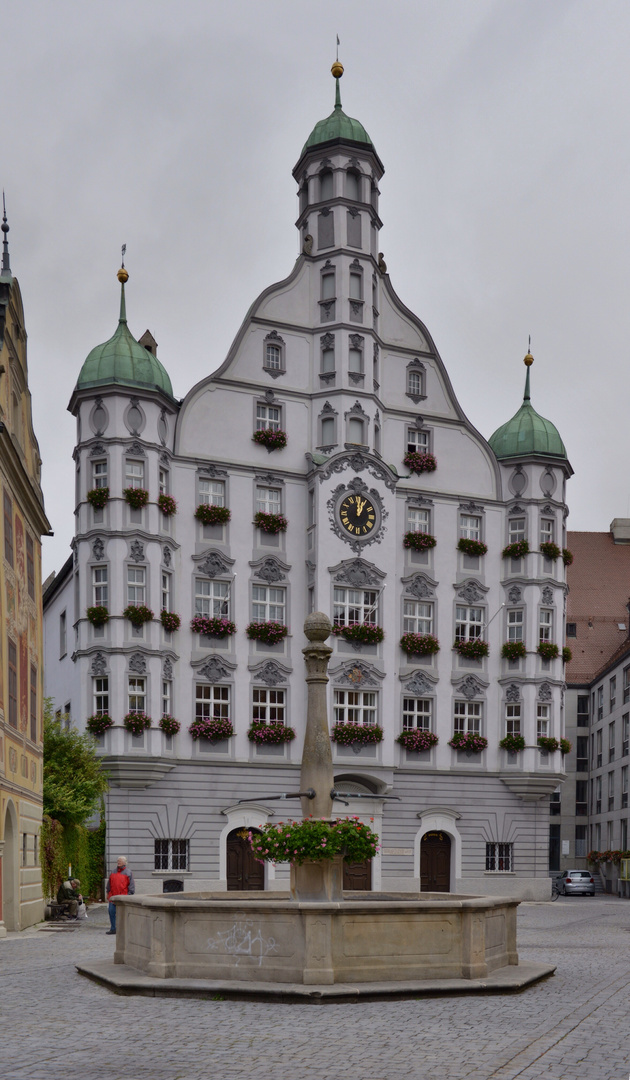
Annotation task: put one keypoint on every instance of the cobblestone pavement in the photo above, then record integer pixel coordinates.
(54, 1024)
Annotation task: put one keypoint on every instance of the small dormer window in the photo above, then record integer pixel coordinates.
(274, 361)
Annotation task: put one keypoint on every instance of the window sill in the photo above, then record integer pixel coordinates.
(499, 873)
(171, 873)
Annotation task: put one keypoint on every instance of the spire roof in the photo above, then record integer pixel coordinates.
(122, 360)
(338, 125)
(5, 269)
(527, 433)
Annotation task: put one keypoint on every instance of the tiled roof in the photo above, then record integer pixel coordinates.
(599, 589)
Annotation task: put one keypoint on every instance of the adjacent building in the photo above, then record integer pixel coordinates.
(21, 638)
(325, 465)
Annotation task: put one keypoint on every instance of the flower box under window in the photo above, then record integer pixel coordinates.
(169, 725)
(137, 722)
(567, 655)
(170, 621)
(418, 462)
(419, 644)
(212, 626)
(347, 734)
(360, 633)
(567, 557)
(99, 723)
(209, 514)
(270, 633)
(419, 541)
(417, 740)
(548, 650)
(512, 743)
(270, 523)
(550, 550)
(215, 728)
(475, 649)
(167, 505)
(138, 614)
(98, 497)
(271, 440)
(471, 547)
(517, 550)
(98, 615)
(468, 742)
(565, 746)
(548, 744)
(136, 497)
(513, 650)
(265, 734)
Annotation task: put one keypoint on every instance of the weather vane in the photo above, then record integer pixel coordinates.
(337, 47)
(123, 250)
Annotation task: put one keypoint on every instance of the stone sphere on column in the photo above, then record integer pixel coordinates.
(317, 626)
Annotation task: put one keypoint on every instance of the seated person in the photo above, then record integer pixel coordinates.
(69, 897)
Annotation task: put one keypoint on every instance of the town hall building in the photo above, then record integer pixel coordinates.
(324, 465)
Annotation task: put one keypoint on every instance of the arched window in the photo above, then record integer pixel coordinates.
(353, 185)
(325, 185)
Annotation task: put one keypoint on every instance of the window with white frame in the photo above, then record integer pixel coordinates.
(268, 500)
(136, 584)
(355, 707)
(134, 474)
(211, 492)
(415, 382)
(600, 702)
(273, 357)
(269, 706)
(417, 617)
(467, 716)
(468, 622)
(100, 586)
(545, 625)
(171, 854)
(513, 719)
(417, 441)
(167, 697)
(356, 286)
(137, 693)
(515, 620)
(99, 474)
(598, 744)
(612, 692)
(547, 530)
(516, 530)
(352, 606)
(418, 520)
(611, 741)
(625, 734)
(212, 598)
(417, 713)
(268, 417)
(499, 858)
(166, 591)
(470, 527)
(543, 720)
(163, 481)
(212, 702)
(100, 692)
(269, 604)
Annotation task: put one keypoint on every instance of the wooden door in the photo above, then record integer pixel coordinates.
(435, 862)
(244, 872)
(357, 875)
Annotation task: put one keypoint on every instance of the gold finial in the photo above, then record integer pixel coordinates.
(529, 359)
(122, 275)
(337, 70)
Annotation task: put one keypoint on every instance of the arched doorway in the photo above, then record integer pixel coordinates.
(356, 876)
(10, 884)
(435, 862)
(244, 872)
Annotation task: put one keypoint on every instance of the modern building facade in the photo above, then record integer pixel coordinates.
(21, 621)
(332, 435)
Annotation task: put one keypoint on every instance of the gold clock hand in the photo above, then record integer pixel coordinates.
(360, 504)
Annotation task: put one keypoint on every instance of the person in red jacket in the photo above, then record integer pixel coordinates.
(120, 883)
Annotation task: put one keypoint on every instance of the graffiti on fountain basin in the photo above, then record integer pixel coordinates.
(242, 939)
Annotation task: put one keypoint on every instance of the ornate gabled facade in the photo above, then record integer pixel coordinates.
(326, 465)
(21, 625)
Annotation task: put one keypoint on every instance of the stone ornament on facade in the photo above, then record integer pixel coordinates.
(357, 674)
(471, 508)
(470, 687)
(544, 692)
(98, 450)
(472, 592)
(512, 694)
(138, 663)
(419, 685)
(99, 664)
(547, 482)
(270, 674)
(99, 417)
(212, 470)
(419, 586)
(515, 595)
(270, 570)
(518, 481)
(134, 418)
(162, 427)
(136, 551)
(358, 573)
(214, 564)
(136, 449)
(547, 595)
(167, 669)
(516, 509)
(166, 556)
(358, 462)
(268, 479)
(327, 341)
(214, 670)
(98, 549)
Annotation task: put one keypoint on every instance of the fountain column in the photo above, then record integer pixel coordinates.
(317, 880)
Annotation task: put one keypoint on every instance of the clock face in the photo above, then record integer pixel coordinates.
(357, 516)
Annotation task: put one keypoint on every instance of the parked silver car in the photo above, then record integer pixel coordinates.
(572, 882)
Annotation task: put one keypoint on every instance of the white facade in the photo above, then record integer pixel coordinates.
(354, 379)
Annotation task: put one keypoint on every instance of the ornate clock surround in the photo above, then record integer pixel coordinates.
(340, 494)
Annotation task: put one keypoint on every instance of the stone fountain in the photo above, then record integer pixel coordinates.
(318, 944)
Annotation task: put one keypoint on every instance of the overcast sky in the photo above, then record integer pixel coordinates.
(504, 128)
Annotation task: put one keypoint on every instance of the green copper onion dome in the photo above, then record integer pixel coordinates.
(122, 360)
(527, 433)
(337, 125)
